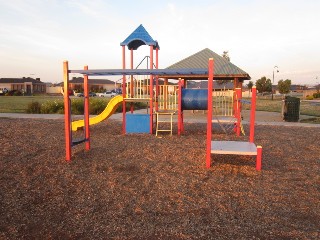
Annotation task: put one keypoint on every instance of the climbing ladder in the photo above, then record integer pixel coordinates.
(164, 116)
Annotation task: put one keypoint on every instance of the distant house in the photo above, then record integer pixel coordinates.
(27, 85)
(95, 85)
(310, 91)
(298, 88)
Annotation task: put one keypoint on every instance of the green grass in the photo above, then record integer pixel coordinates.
(276, 106)
(18, 104)
(307, 109)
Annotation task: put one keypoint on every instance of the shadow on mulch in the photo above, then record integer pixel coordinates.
(141, 187)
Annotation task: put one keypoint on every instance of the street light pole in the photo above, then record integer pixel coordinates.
(273, 80)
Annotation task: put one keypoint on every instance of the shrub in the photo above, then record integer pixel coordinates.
(136, 105)
(77, 106)
(316, 95)
(17, 93)
(56, 106)
(34, 107)
(97, 106)
(308, 97)
(13, 93)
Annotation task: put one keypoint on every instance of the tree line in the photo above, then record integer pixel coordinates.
(265, 85)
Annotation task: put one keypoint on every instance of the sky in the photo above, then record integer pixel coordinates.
(36, 36)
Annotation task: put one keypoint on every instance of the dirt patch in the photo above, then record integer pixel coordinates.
(143, 187)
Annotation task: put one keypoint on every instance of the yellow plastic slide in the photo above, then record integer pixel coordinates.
(107, 112)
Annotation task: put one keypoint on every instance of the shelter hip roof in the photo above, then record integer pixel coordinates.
(223, 69)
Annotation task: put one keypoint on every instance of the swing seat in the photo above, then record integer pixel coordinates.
(78, 141)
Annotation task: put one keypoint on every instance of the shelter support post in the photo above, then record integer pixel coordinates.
(235, 85)
(238, 110)
(253, 113)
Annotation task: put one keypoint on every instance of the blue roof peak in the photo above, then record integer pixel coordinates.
(139, 37)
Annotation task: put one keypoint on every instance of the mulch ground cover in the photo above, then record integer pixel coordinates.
(142, 187)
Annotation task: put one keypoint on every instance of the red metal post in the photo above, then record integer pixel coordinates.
(238, 115)
(253, 113)
(183, 85)
(259, 158)
(209, 112)
(179, 106)
(86, 109)
(234, 97)
(151, 90)
(123, 91)
(67, 110)
(157, 80)
(131, 82)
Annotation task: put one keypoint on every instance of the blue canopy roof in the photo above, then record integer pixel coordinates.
(139, 37)
(162, 72)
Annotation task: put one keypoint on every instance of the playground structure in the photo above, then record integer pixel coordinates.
(162, 99)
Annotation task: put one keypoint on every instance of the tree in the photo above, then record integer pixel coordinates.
(223, 82)
(264, 85)
(250, 85)
(284, 86)
(225, 55)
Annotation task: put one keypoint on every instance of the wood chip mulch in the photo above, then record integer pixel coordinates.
(142, 187)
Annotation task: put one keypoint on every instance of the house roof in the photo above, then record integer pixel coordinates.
(223, 69)
(139, 37)
(21, 80)
(204, 85)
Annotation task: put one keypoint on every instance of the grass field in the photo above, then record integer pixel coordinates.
(18, 104)
(276, 106)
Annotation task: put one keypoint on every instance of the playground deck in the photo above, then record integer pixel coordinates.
(143, 187)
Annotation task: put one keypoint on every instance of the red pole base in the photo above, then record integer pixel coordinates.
(259, 158)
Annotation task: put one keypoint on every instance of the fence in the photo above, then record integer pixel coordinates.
(168, 97)
(223, 103)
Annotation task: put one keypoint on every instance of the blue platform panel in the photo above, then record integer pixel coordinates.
(137, 123)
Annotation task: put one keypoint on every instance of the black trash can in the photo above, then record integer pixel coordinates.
(291, 109)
